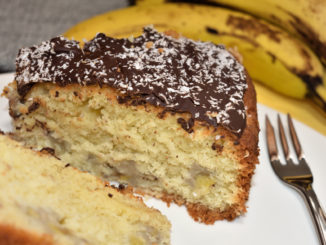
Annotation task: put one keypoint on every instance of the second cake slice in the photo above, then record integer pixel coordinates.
(44, 201)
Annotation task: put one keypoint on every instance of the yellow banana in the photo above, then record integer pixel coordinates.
(305, 19)
(149, 2)
(270, 55)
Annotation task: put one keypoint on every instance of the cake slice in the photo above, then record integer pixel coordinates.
(174, 118)
(43, 201)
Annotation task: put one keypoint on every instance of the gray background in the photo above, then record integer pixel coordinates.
(28, 22)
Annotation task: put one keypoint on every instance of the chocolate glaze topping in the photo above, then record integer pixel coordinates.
(181, 75)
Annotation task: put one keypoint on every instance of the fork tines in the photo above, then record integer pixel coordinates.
(289, 172)
(271, 141)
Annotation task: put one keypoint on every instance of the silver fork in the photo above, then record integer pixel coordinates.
(297, 176)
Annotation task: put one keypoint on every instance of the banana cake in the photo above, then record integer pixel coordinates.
(44, 201)
(172, 117)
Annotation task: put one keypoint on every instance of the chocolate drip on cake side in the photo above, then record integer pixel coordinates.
(179, 74)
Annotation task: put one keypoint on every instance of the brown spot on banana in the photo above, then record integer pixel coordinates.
(212, 30)
(253, 26)
(306, 56)
(312, 82)
(273, 57)
(311, 37)
(275, 18)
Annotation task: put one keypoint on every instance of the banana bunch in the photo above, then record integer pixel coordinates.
(305, 19)
(271, 55)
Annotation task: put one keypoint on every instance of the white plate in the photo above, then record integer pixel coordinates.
(276, 214)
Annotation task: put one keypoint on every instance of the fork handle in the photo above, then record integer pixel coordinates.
(317, 213)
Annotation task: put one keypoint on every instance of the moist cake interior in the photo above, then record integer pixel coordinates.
(172, 117)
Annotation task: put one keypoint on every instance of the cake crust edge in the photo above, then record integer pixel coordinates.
(11, 235)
